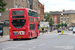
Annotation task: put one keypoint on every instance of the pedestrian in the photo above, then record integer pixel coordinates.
(43, 30)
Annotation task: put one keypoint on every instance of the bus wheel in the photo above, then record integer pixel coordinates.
(36, 35)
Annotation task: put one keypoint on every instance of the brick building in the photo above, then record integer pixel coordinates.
(55, 17)
(40, 11)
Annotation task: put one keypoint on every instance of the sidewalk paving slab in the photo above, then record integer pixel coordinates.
(4, 38)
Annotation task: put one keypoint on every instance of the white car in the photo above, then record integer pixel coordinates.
(73, 30)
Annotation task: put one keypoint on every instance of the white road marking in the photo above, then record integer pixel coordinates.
(6, 48)
(12, 47)
(20, 44)
(42, 44)
(31, 41)
(32, 48)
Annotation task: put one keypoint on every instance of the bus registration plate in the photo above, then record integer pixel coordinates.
(19, 37)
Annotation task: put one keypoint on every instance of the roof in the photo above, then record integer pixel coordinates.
(69, 12)
(55, 13)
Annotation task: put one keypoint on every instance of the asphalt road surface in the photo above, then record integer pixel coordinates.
(47, 41)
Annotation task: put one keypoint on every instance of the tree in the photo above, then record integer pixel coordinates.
(2, 5)
(58, 25)
(65, 25)
(47, 16)
(51, 23)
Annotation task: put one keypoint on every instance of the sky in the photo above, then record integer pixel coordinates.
(58, 5)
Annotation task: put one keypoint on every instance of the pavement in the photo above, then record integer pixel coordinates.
(6, 37)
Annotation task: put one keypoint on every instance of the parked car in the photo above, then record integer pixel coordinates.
(73, 30)
(70, 29)
(59, 30)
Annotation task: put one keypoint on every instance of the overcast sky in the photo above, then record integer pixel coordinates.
(58, 5)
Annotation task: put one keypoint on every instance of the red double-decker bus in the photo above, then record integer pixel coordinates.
(23, 23)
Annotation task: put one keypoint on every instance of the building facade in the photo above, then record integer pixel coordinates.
(68, 17)
(40, 11)
(55, 17)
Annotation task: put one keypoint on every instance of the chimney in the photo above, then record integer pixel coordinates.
(63, 10)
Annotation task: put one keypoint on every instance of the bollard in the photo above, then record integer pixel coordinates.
(62, 32)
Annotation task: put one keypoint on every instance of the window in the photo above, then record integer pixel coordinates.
(19, 6)
(67, 19)
(61, 19)
(64, 19)
(38, 11)
(31, 13)
(22, 0)
(19, 23)
(38, 26)
(15, 5)
(22, 6)
(32, 26)
(54, 19)
(21, 12)
(34, 3)
(25, 0)
(39, 17)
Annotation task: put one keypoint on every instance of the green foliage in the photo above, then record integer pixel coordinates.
(65, 25)
(47, 16)
(58, 25)
(61, 25)
(2, 5)
(44, 27)
(51, 22)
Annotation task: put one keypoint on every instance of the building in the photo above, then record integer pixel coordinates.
(68, 17)
(4, 17)
(40, 11)
(55, 17)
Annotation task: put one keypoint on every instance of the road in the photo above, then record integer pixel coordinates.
(48, 41)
